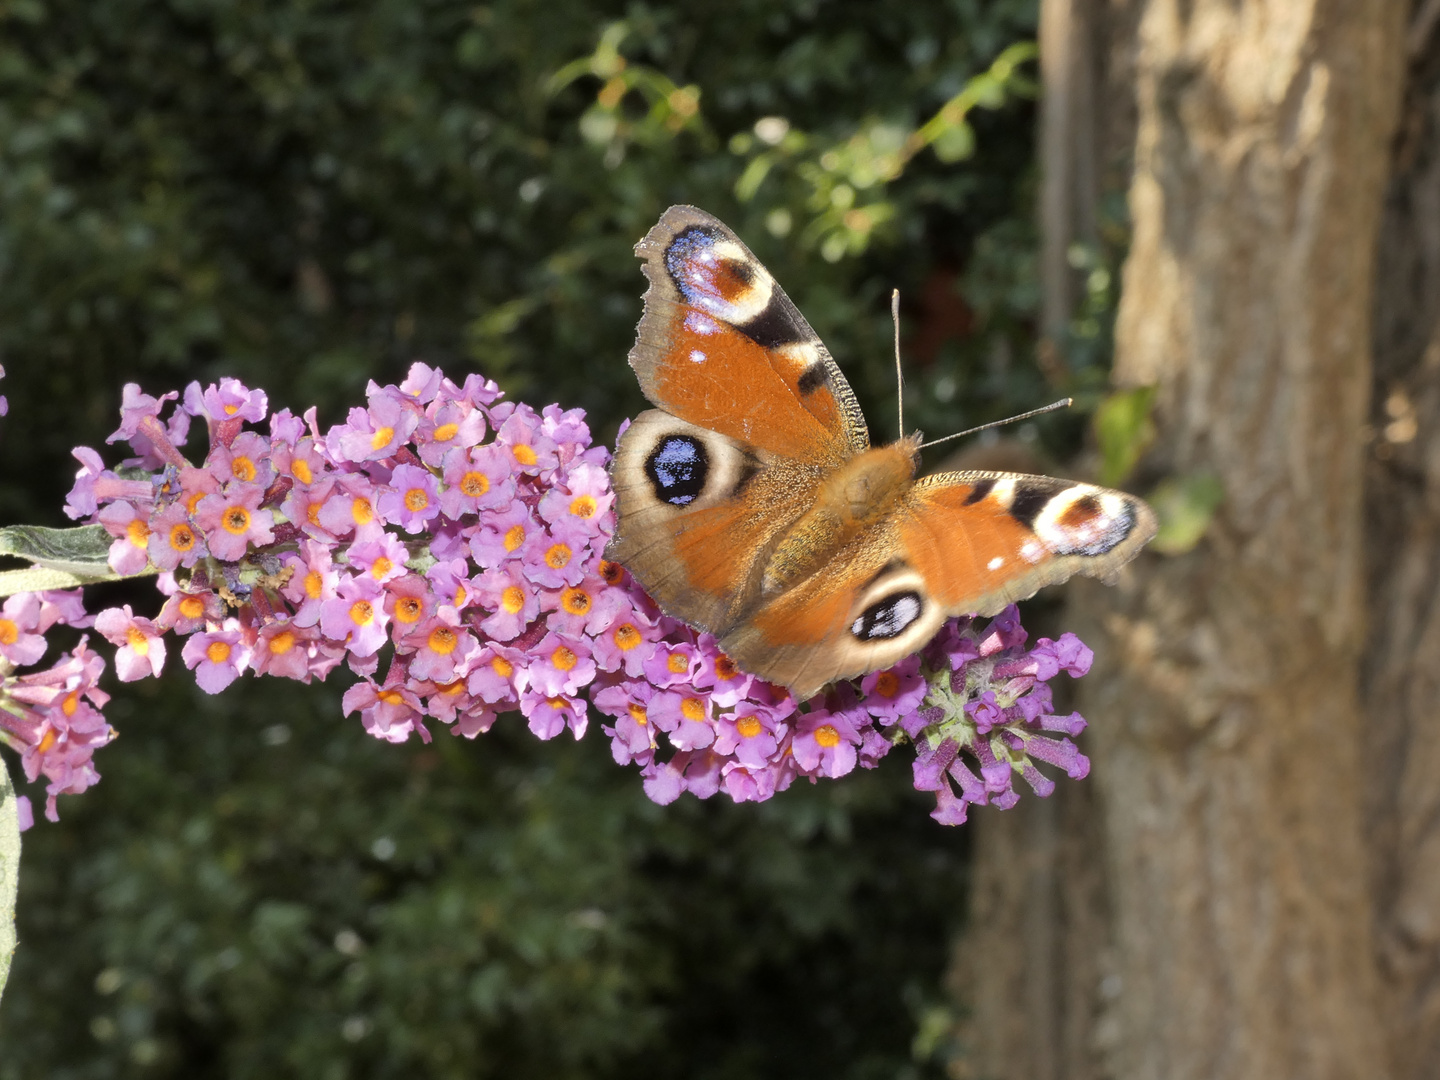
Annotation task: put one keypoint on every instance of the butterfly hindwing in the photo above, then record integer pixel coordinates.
(721, 346)
(963, 543)
(697, 512)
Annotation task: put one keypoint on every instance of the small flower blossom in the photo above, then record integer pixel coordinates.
(232, 520)
(217, 657)
(142, 648)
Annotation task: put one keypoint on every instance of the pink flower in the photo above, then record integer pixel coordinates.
(217, 657)
(412, 498)
(232, 521)
(142, 648)
(19, 619)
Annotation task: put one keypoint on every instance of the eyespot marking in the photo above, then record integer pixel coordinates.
(1085, 521)
(888, 618)
(716, 275)
(677, 469)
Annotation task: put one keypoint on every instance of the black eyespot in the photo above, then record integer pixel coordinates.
(677, 469)
(888, 618)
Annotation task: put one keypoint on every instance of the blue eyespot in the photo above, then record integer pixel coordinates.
(677, 469)
(888, 618)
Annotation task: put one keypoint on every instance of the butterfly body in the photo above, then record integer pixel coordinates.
(751, 504)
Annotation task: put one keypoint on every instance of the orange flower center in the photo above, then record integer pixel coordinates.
(300, 469)
(692, 709)
(138, 642)
(611, 572)
(381, 438)
(575, 601)
(9, 632)
(564, 659)
(501, 666)
(626, 637)
(313, 582)
(282, 643)
(514, 537)
(445, 432)
(138, 533)
(380, 567)
(361, 512)
(182, 537)
(416, 499)
(512, 599)
(523, 454)
(192, 607)
(827, 736)
(558, 557)
(887, 684)
(474, 484)
(242, 468)
(390, 697)
(637, 713)
(217, 652)
(236, 520)
(748, 726)
(584, 506)
(725, 668)
(362, 613)
(408, 609)
(442, 640)
(678, 663)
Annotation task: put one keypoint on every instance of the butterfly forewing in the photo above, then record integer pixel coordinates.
(722, 346)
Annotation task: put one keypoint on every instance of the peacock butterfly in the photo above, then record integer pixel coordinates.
(751, 504)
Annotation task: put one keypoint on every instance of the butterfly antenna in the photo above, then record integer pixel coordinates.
(899, 375)
(1063, 403)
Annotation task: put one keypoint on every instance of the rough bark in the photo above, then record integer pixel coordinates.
(1401, 673)
(1231, 933)
(1226, 711)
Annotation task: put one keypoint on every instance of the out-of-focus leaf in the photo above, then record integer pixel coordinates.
(1124, 430)
(1185, 506)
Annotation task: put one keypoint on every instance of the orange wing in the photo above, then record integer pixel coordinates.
(721, 346)
(961, 543)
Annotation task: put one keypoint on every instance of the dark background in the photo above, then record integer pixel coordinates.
(309, 195)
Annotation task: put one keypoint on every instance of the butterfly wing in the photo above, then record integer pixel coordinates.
(752, 413)
(962, 543)
(721, 346)
(698, 513)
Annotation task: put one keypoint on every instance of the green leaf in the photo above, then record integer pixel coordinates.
(956, 143)
(9, 870)
(1185, 505)
(63, 558)
(1124, 430)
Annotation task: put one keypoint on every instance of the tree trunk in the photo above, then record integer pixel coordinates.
(1400, 678)
(1231, 931)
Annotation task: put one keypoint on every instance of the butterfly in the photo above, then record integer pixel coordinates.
(751, 504)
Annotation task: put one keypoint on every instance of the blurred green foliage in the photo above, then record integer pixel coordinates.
(308, 195)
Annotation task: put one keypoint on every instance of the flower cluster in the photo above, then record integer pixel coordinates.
(455, 539)
(52, 717)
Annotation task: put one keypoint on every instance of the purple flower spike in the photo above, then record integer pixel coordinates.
(461, 535)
